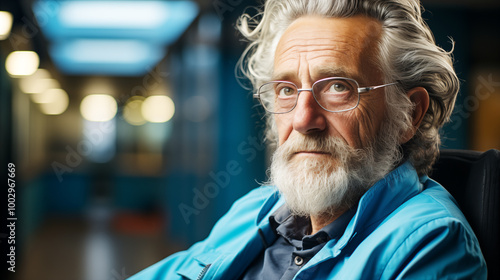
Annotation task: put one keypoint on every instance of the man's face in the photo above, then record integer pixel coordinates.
(313, 48)
(326, 160)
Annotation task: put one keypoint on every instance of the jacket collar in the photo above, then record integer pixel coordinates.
(384, 197)
(376, 204)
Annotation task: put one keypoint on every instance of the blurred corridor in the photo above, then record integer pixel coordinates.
(131, 135)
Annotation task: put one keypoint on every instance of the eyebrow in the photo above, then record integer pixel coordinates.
(320, 72)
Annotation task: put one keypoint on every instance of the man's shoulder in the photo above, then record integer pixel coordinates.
(433, 203)
(431, 211)
(431, 223)
(435, 199)
(404, 202)
(428, 223)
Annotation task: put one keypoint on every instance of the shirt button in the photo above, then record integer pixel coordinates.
(298, 260)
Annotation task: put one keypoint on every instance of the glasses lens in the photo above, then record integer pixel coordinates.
(278, 97)
(336, 94)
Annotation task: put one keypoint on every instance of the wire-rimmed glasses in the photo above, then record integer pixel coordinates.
(334, 94)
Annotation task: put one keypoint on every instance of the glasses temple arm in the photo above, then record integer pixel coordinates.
(367, 89)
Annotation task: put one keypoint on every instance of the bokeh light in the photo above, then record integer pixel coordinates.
(55, 101)
(132, 112)
(158, 108)
(22, 63)
(37, 95)
(47, 96)
(36, 83)
(5, 24)
(98, 107)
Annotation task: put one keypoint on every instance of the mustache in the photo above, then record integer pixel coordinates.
(317, 143)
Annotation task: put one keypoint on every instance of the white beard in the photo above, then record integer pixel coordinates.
(315, 185)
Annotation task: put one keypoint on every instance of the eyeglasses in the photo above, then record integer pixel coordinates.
(334, 94)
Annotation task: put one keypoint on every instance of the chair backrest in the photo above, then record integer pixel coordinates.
(473, 178)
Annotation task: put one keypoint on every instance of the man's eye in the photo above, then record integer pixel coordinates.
(286, 91)
(338, 88)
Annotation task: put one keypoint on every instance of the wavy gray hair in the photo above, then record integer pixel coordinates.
(407, 54)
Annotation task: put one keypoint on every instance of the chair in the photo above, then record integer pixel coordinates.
(473, 178)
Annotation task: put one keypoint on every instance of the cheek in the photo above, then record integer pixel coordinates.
(369, 121)
(346, 126)
(359, 126)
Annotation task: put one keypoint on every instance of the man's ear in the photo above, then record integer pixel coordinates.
(420, 99)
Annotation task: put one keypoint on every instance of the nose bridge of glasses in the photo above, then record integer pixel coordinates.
(299, 90)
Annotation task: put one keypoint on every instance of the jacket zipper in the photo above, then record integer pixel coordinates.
(203, 272)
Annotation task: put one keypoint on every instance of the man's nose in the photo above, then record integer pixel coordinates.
(308, 117)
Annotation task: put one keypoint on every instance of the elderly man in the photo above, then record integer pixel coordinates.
(356, 91)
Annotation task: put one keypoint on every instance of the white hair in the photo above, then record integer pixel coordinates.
(407, 54)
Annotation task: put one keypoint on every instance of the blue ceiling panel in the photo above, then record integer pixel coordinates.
(111, 37)
(106, 57)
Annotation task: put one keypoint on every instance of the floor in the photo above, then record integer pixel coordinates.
(100, 246)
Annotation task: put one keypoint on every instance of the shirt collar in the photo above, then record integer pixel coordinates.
(295, 229)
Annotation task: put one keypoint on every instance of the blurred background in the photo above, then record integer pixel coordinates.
(131, 135)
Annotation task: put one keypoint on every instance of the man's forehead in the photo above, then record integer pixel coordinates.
(331, 46)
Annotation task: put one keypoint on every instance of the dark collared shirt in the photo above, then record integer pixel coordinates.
(294, 247)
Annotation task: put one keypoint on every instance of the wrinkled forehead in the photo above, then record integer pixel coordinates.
(348, 44)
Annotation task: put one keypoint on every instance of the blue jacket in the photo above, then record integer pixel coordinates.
(405, 227)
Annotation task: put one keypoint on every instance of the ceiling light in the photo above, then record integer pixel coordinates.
(47, 96)
(112, 14)
(31, 83)
(55, 103)
(98, 107)
(22, 63)
(152, 21)
(158, 108)
(5, 24)
(102, 56)
(132, 111)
